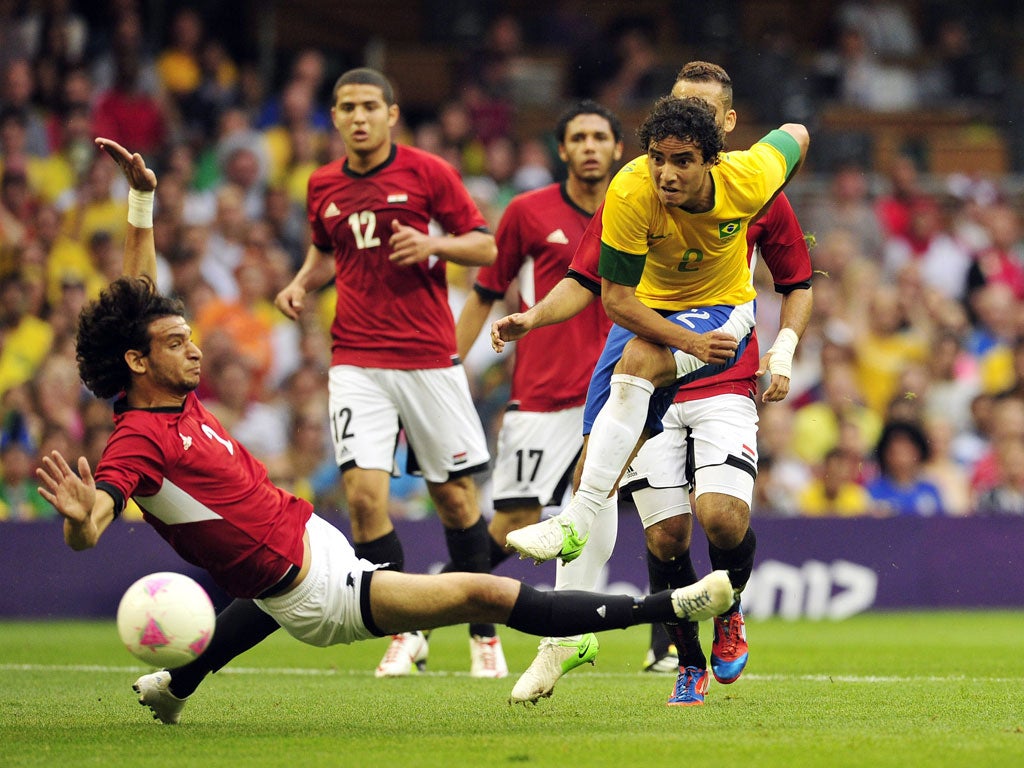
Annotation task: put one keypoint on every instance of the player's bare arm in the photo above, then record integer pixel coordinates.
(410, 246)
(794, 316)
(86, 511)
(317, 270)
(566, 300)
(139, 245)
(471, 319)
(623, 308)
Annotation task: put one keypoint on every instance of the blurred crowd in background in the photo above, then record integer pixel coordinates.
(908, 387)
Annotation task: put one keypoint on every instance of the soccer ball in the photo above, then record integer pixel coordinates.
(165, 619)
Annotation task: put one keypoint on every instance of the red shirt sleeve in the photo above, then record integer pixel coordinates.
(132, 463)
(780, 238)
(587, 258)
(453, 208)
(496, 278)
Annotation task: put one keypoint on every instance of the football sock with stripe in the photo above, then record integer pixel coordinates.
(572, 612)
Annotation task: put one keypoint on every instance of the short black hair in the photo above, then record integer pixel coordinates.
(114, 323)
(689, 119)
(587, 107)
(706, 72)
(365, 76)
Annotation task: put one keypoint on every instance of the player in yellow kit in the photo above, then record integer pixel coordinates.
(676, 282)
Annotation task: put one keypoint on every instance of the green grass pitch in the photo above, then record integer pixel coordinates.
(906, 689)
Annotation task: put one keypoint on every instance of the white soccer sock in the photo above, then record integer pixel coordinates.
(614, 436)
(585, 571)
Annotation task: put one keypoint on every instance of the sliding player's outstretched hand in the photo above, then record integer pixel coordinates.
(132, 166)
(71, 495)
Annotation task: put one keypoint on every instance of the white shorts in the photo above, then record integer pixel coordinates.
(536, 455)
(329, 606)
(368, 407)
(709, 443)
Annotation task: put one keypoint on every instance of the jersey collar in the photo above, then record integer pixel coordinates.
(376, 169)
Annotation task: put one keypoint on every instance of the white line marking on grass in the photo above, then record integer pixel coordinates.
(313, 672)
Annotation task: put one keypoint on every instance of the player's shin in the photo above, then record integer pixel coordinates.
(240, 626)
(585, 571)
(615, 433)
(469, 550)
(738, 561)
(678, 572)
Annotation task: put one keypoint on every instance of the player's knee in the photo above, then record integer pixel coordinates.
(667, 539)
(456, 502)
(646, 360)
(725, 521)
(364, 503)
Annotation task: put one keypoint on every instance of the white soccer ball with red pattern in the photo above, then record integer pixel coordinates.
(165, 619)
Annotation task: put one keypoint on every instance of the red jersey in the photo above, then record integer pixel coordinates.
(389, 316)
(777, 236)
(205, 494)
(537, 236)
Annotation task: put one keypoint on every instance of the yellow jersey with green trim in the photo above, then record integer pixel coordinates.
(691, 259)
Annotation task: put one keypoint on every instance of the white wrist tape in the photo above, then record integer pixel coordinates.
(781, 361)
(140, 208)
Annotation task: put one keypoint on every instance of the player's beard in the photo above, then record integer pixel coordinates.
(180, 385)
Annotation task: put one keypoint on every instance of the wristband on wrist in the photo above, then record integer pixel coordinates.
(140, 208)
(781, 361)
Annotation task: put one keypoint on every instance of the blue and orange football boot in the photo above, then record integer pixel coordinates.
(691, 685)
(729, 648)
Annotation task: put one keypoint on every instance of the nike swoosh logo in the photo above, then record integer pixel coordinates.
(584, 648)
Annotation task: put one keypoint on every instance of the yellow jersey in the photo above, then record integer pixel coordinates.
(679, 260)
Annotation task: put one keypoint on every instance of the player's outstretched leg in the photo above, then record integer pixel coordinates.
(563, 613)
(240, 626)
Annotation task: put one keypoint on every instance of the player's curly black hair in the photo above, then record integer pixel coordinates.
(116, 322)
(691, 119)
